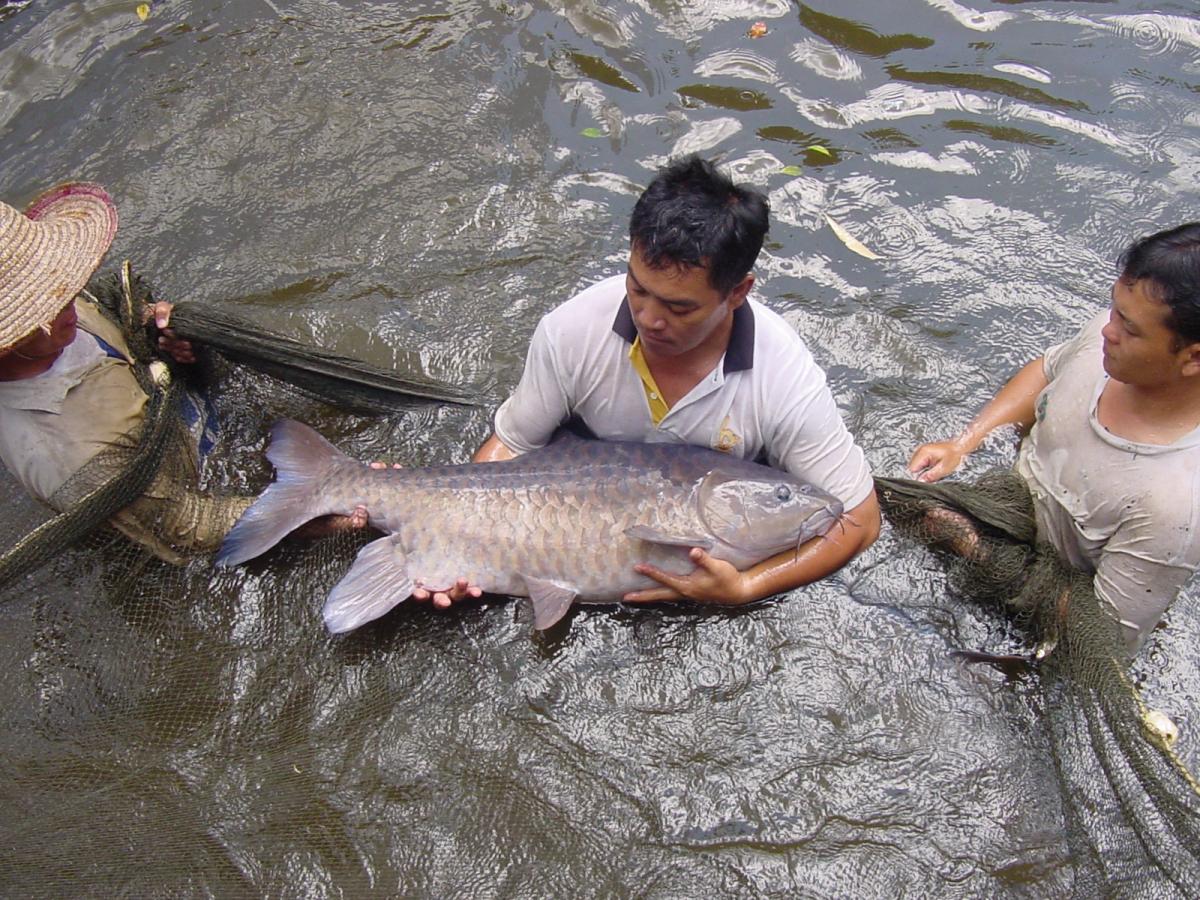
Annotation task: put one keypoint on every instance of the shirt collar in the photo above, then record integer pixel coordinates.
(739, 355)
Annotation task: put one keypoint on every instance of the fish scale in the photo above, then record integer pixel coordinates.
(563, 524)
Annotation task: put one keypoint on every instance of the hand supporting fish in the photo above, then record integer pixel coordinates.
(712, 581)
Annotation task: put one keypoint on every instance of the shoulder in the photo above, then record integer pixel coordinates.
(95, 322)
(1085, 344)
(780, 353)
(597, 303)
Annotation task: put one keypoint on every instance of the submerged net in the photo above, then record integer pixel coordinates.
(1133, 808)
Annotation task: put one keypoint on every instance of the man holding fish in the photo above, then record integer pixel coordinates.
(675, 351)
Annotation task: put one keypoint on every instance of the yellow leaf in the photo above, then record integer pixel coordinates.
(143, 11)
(852, 243)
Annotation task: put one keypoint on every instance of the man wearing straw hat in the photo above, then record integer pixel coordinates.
(68, 391)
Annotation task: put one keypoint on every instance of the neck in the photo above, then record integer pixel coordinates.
(1158, 414)
(16, 366)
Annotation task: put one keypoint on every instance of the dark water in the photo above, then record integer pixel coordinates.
(415, 183)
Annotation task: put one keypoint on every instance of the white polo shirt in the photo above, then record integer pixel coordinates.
(765, 397)
(1128, 512)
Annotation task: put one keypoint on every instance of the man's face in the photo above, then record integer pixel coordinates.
(675, 309)
(1139, 348)
(49, 343)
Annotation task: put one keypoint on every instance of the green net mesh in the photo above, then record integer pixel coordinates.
(1133, 807)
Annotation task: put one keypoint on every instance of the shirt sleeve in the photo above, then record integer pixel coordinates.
(812, 442)
(541, 401)
(1054, 356)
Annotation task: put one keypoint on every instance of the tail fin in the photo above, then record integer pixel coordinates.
(303, 461)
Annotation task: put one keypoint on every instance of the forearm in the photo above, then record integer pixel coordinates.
(493, 450)
(820, 557)
(1014, 404)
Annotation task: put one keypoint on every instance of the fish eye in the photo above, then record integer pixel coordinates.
(783, 493)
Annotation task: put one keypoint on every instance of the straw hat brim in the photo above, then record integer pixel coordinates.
(48, 254)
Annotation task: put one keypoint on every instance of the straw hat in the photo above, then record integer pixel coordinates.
(48, 254)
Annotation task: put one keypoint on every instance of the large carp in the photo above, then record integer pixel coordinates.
(561, 524)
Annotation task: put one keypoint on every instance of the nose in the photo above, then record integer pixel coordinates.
(649, 316)
(1110, 331)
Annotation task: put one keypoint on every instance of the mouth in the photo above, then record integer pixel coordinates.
(653, 340)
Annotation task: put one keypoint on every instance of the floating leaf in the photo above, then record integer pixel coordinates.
(817, 148)
(792, 170)
(143, 11)
(852, 243)
(757, 30)
(592, 132)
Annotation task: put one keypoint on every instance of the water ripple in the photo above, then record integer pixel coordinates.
(689, 21)
(1033, 73)
(972, 18)
(602, 24)
(826, 60)
(1154, 33)
(888, 102)
(738, 64)
(701, 137)
(919, 159)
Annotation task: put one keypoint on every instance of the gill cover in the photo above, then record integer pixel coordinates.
(764, 514)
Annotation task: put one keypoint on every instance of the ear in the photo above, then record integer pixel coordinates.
(1191, 360)
(740, 292)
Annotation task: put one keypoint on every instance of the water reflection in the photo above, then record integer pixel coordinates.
(415, 184)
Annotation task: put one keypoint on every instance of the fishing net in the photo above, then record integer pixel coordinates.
(1133, 808)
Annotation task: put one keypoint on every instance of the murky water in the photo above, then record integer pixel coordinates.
(415, 184)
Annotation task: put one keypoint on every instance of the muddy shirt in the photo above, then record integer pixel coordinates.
(1122, 510)
(766, 396)
(54, 423)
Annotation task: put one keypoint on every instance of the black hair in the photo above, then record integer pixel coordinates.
(1170, 260)
(694, 215)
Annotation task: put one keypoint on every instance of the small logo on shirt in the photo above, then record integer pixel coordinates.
(727, 438)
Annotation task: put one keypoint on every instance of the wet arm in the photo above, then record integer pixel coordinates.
(1012, 405)
(493, 450)
(717, 582)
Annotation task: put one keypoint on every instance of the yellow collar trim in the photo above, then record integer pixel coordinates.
(654, 397)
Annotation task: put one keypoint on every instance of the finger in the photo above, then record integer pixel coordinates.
(420, 595)
(441, 600)
(922, 459)
(162, 313)
(703, 560)
(652, 595)
(665, 578)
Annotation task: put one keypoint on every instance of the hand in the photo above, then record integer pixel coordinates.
(178, 349)
(932, 462)
(447, 598)
(713, 581)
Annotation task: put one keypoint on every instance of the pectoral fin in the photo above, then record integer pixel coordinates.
(550, 601)
(376, 582)
(654, 536)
